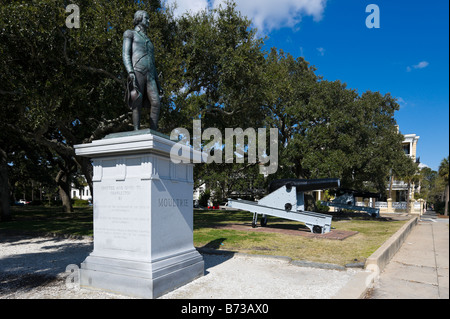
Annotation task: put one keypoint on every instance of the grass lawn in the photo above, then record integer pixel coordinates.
(372, 233)
(43, 220)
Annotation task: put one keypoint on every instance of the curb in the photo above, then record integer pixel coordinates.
(381, 257)
(358, 287)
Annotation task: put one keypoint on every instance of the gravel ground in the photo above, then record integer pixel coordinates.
(36, 268)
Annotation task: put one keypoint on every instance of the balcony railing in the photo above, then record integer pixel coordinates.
(399, 184)
(381, 205)
(399, 205)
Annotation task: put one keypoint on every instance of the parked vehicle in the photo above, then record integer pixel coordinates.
(21, 202)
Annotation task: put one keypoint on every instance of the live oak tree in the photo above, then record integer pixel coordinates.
(222, 85)
(328, 130)
(289, 85)
(60, 86)
(66, 86)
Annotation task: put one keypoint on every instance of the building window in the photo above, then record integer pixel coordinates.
(401, 196)
(406, 149)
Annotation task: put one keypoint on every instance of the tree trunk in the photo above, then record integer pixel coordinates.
(391, 181)
(64, 194)
(32, 190)
(5, 210)
(63, 181)
(446, 199)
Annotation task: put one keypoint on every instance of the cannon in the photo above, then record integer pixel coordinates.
(345, 199)
(286, 200)
(305, 185)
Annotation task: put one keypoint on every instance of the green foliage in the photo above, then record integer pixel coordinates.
(204, 198)
(322, 208)
(443, 175)
(222, 60)
(328, 130)
(222, 84)
(65, 86)
(439, 207)
(444, 169)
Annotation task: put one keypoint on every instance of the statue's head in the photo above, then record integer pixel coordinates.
(141, 17)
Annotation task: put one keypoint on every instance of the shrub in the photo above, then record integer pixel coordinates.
(204, 198)
(322, 208)
(439, 207)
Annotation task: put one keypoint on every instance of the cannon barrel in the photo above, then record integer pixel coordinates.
(358, 193)
(305, 185)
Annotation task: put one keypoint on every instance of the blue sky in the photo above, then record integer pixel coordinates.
(408, 56)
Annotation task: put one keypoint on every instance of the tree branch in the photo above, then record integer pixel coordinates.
(219, 110)
(89, 68)
(53, 144)
(108, 126)
(17, 92)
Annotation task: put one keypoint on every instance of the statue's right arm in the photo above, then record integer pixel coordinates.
(126, 50)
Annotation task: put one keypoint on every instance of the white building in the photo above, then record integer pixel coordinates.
(81, 193)
(397, 202)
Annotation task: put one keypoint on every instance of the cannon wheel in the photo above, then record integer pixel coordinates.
(264, 221)
(317, 229)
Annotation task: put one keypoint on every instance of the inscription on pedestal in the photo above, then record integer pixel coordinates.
(122, 218)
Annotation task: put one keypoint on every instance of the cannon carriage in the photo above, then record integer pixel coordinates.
(286, 200)
(346, 199)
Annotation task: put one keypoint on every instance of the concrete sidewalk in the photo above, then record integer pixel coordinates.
(420, 269)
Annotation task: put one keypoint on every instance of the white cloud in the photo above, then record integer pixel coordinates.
(184, 6)
(420, 65)
(401, 102)
(267, 15)
(301, 52)
(321, 51)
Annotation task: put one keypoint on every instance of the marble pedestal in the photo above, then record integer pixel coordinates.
(143, 217)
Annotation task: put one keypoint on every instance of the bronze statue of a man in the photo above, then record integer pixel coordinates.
(139, 60)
